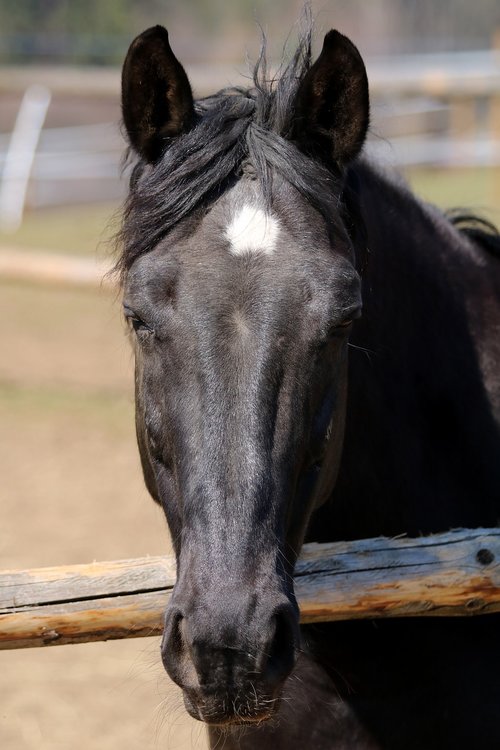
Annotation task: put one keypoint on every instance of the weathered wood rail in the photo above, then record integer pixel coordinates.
(457, 573)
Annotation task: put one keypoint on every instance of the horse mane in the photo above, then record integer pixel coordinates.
(479, 230)
(236, 131)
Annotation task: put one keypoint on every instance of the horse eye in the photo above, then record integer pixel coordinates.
(137, 323)
(336, 331)
(340, 328)
(344, 324)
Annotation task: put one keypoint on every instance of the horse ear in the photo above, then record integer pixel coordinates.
(332, 103)
(157, 101)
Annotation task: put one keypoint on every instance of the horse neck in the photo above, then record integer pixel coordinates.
(417, 418)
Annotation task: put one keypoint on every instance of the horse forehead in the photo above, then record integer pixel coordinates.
(244, 245)
(252, 229)
(242, 226)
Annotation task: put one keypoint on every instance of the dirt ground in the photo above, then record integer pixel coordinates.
(71, 491)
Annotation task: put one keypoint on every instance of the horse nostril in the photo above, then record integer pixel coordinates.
(281, 649)
(177, 640)
(176, 651)
(173, 645)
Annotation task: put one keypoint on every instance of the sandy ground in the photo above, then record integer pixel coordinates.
(71, 491)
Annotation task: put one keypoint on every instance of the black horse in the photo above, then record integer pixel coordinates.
(270, 412)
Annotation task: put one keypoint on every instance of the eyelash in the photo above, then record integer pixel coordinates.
(344, 324)
(334, 332)
(137, 323)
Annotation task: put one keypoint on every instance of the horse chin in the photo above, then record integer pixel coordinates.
(227, 712)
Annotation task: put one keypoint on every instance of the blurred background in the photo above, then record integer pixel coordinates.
(70, 483)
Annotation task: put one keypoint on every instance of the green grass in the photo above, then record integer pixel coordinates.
(112, 411)
(476, 189)
(74, 230)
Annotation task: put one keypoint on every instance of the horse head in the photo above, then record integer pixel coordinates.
(240, 289)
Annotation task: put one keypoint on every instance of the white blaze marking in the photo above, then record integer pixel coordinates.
(252, 231)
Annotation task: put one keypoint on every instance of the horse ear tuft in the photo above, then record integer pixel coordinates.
(332, 103)
(157, 101)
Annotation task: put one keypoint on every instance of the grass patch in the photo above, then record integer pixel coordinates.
(72, 230)
(112, 411)
(475, 189)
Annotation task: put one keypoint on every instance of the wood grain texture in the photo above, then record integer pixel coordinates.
(457, 573)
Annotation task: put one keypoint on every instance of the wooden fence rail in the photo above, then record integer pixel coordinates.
(457, 573)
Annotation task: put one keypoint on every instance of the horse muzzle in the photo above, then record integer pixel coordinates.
(231, 654)
(245, 708)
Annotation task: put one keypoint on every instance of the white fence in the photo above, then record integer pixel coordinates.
(74, 165)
